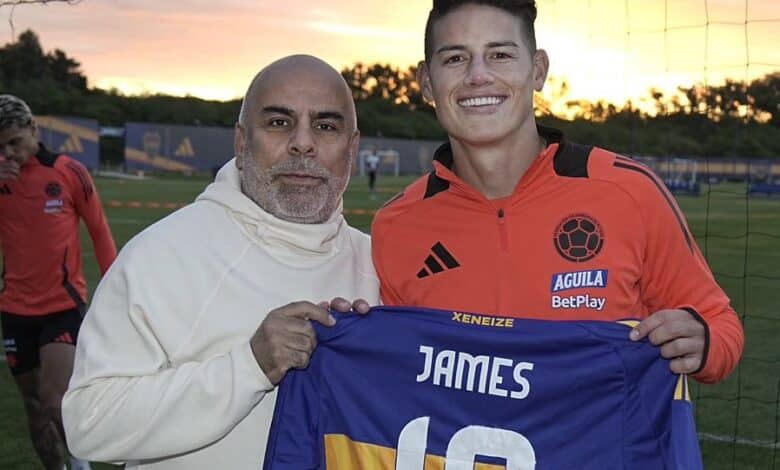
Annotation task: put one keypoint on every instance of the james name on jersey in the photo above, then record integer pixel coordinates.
(482, 373)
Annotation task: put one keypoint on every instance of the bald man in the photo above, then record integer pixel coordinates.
(204, 312)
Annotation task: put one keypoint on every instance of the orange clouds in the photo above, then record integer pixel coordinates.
(212, 49)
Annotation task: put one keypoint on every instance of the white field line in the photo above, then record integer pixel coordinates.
(739, 440)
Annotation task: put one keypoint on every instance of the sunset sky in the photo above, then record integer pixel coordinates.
(609, 49)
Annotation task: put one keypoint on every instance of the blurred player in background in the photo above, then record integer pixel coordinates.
(516, 220)
(372, 167)
(42, 197)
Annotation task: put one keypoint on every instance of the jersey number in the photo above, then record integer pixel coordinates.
(464, 446)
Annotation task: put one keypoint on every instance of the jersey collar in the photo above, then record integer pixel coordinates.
(443, 161)
(44, 156)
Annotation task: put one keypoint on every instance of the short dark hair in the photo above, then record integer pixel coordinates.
(14, 111)
(524, 10)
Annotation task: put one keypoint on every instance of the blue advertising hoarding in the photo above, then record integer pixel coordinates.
(75, 137)
(185, 149)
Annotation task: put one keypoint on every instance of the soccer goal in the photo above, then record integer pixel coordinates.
(682, 176)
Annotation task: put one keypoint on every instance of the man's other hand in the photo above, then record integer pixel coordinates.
(680, 336)
(343, 305)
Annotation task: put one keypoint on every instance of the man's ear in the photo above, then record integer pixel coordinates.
(424, 80)
(354, 144)
(239, 145)
(541, 67)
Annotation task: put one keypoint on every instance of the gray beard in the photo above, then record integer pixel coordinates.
(293, 203)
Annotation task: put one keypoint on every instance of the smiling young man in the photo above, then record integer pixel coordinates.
(43, 195)
(516, 220)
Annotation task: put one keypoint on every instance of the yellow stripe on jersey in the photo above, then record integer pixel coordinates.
(434, 462)
(681, 391)
(342, 453)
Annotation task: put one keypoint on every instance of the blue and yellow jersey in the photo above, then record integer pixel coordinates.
(419, 389)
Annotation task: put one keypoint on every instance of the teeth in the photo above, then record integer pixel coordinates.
(481, 101)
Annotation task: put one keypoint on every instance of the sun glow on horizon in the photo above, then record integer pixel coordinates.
(611, 50)
(139, 87)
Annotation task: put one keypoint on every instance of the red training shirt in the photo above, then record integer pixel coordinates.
(39, 235)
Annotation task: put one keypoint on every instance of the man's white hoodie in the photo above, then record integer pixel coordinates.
(164, 376)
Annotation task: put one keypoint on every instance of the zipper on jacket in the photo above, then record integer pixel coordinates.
(502, 230)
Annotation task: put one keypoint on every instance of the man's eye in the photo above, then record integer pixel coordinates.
(501, 55)
(278, 123)
(324, 126)
(454, 59)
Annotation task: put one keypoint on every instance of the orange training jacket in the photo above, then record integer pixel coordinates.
(39, 235)
(586, 235)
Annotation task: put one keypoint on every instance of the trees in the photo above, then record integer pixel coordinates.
(765, 98)
(389, 102)
(24, 61)
(731, 119)
(65, 71)
(52, 83)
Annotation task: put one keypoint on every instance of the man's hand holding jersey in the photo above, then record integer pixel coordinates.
(286, 339)
(680, 336)
(343, 305)
(9, 169)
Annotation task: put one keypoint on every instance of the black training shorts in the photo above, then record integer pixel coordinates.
(25, 335)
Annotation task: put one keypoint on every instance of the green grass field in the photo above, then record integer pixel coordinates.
(738, 419)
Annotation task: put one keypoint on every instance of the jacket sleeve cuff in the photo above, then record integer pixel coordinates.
(247, 365)
(706, 351)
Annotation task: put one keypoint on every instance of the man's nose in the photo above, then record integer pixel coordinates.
(478, 72)
(302, 142)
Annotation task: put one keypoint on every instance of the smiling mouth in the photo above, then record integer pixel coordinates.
(481, 101)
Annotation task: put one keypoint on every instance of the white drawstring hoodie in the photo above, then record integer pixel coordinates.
(164, 376)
